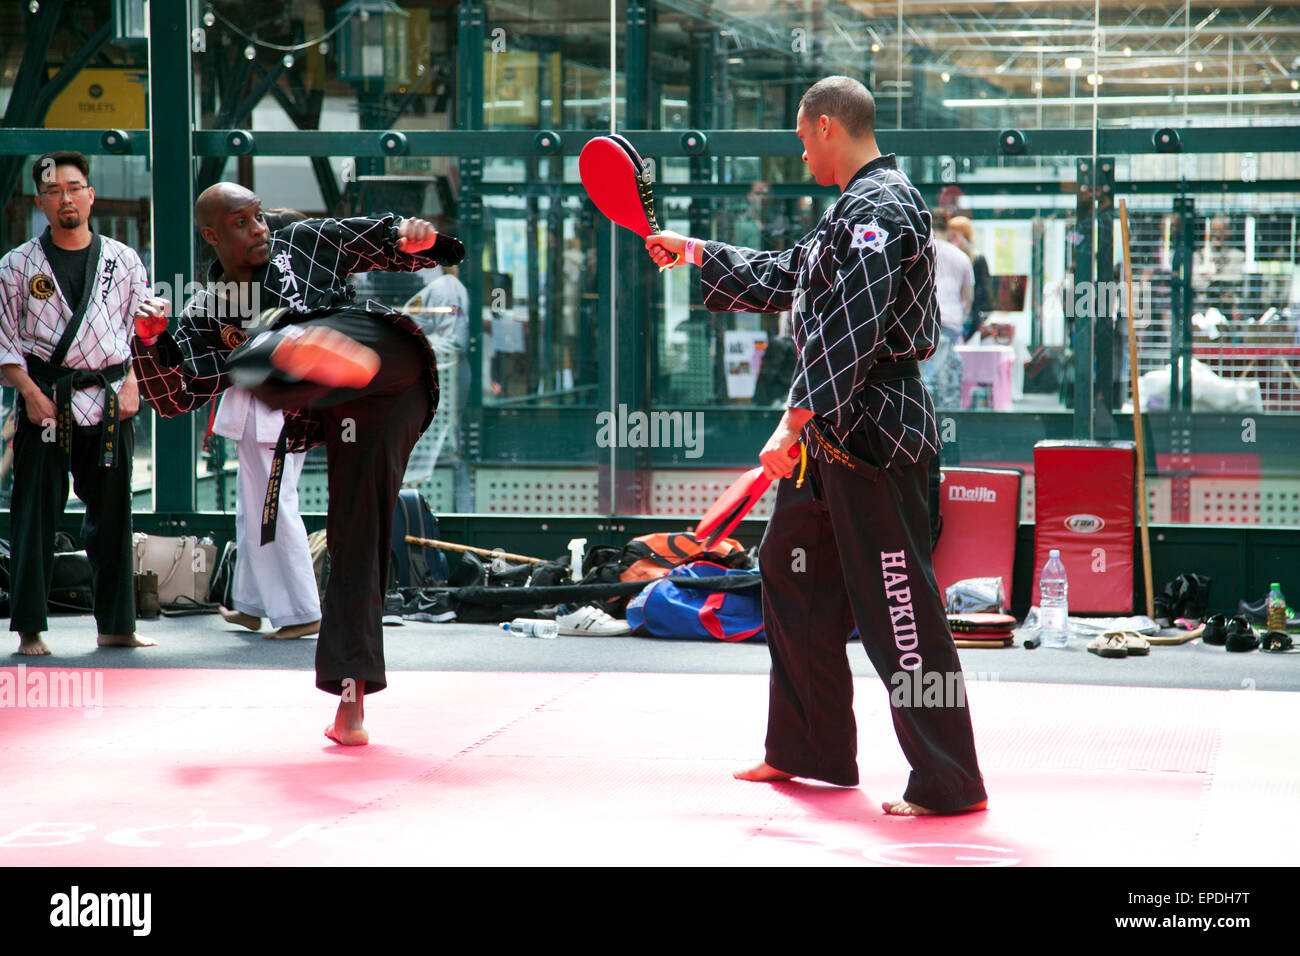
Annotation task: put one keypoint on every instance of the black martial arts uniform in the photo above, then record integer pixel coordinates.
(65, 316)
(852, 546)
(368, 432)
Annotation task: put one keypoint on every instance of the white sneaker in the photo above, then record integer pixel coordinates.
(591, 620)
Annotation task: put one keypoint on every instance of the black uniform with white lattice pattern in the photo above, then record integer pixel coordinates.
(860, 288)
(850, 549)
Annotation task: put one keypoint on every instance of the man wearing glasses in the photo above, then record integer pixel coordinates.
(66, 301)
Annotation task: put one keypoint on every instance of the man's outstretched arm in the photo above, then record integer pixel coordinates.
(734, 279)
(366, 244)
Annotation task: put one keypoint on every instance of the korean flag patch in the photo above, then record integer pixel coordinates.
(869, 235)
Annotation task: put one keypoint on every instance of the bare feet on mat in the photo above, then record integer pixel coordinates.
(348, 729)
(901, 808)
(291, 631)
(125, 640)
(240, 618)
(31, 644)
(327, 357)
(762, 773)
(347, 737)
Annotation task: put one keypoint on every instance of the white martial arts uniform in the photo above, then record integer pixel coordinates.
(274, 580)
(34, 313)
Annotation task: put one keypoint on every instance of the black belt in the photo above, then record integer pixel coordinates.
(65, 381)
(894, 371)
(880, 372)
(271, 503)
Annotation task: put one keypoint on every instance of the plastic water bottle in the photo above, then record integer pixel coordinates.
(532, 627)
(1276, 609)
(1053, 606)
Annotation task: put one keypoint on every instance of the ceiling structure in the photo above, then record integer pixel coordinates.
(1200, 59)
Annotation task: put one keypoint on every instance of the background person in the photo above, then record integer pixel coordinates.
(66, 300)
(954, 289)
(275, 580)
(961, 232)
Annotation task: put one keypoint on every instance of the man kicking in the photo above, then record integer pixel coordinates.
(360, 379)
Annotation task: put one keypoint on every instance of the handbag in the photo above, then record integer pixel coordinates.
(72, 582)
(220, 591)
(183, 565)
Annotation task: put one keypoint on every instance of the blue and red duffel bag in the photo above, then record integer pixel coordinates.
(700, 600)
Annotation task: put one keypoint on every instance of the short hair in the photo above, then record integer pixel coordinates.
(845, 99)
(963, 225)
(60, 157)
(940, 218)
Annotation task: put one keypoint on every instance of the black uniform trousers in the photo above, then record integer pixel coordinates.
(369, 434)
(40, 493)
(845, 551)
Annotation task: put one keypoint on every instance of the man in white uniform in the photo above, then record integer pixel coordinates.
(273, 580)
(66, 301)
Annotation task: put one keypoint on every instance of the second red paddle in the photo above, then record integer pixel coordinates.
(734, 503)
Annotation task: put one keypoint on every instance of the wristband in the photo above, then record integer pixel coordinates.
(146, 342)
(690, 251)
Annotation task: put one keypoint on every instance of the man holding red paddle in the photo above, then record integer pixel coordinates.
(849, 545)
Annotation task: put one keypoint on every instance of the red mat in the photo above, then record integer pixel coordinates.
(212, 768)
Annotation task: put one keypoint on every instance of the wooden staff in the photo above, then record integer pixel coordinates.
(448, 546)
(1137, 414)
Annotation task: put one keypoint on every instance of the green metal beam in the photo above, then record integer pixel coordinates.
(1081, 328)
(938, 142)
(171, 103)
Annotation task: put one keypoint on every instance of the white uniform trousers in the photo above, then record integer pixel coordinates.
(276, 580)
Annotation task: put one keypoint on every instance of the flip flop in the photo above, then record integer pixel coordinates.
(1136, 644)
(1110, 644)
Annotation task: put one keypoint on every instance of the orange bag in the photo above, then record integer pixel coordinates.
(654, 555)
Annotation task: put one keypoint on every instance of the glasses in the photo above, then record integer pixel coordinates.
(72, 192)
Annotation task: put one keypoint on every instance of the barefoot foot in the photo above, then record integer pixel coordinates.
(31, 644)
(291, 631)
(347, 736)
(125, 640)
(901, 808)
(762, 773)
(240, 618)
(348, 728)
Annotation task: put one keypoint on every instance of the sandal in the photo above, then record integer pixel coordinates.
(1276, 641)
(1110, 644)
(1136, 644)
